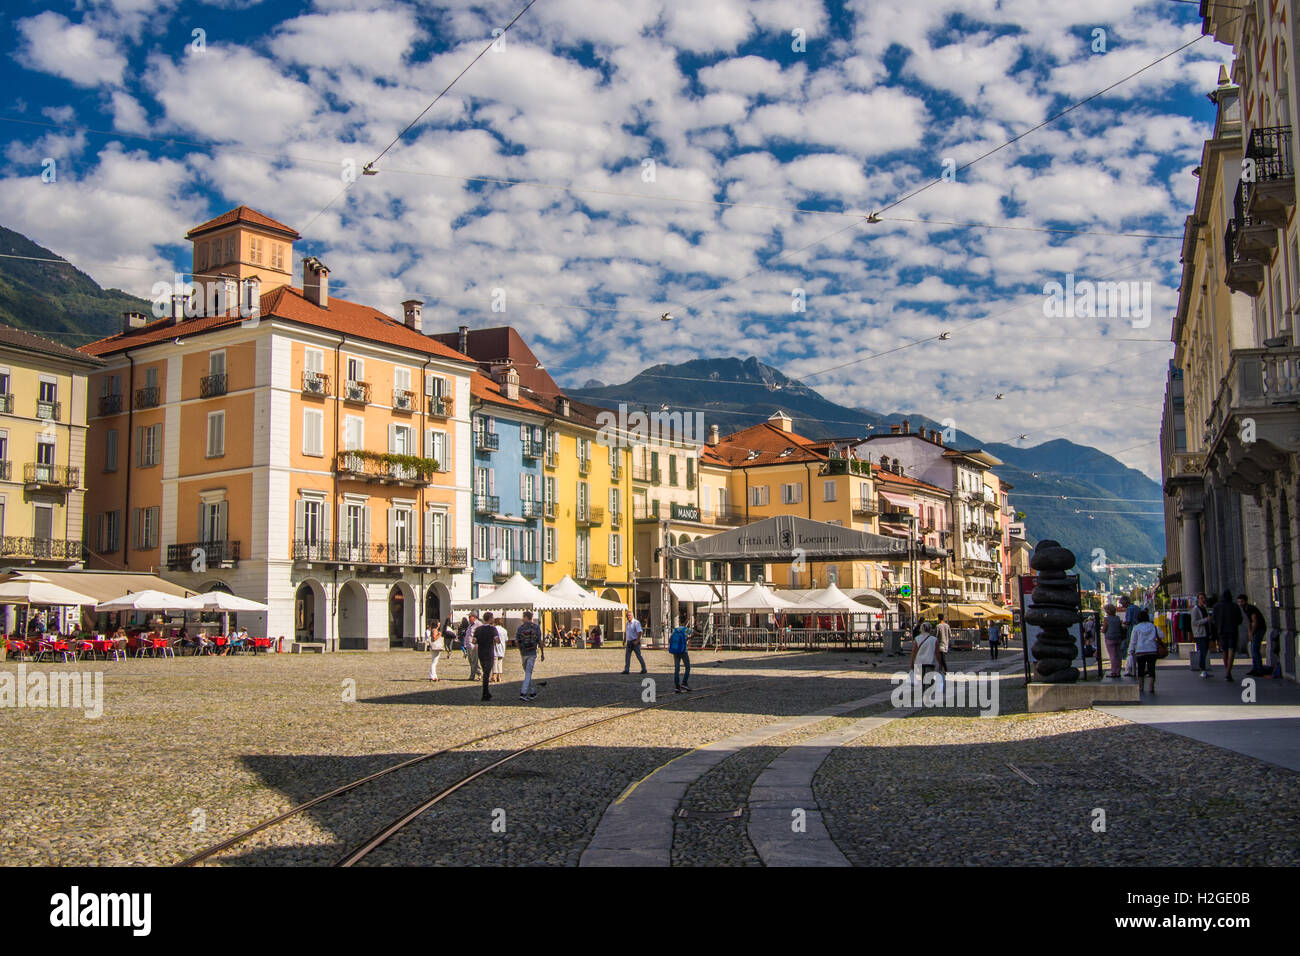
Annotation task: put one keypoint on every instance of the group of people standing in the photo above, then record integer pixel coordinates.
(1234, 627)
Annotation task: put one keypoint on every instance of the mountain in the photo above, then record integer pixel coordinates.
(1082, 489)
(54, 298)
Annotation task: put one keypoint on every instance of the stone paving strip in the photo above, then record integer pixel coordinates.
(1076, 788)
(637, 828)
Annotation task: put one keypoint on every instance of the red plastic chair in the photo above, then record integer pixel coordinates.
(52, 648)
(20, 650)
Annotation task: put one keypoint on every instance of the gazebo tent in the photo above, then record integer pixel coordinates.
(831, 598)
(518, 593)
(759, 599)
(568, 590)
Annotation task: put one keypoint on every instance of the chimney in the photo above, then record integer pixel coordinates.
(133, 320)
(895, 429)
(781, 420)
(228, 287)
(713, 435)
(411, 313)
(508, 379)
(178, 309)
(907, 427)
(252, 296)
(562, 404)
(316, 282)
(923, 433)
(462, 345)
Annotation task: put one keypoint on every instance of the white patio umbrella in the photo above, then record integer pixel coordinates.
(517, 593)
(31, 591)
(150, 600)
(831, 598)
(221, 601)
(567, 589)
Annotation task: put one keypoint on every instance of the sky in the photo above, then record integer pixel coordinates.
(714, 161)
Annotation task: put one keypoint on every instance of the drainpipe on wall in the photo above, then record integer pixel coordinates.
(130, 436)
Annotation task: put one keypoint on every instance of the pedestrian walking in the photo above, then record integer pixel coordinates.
(1227, 621)
(1145, 647)
(995, 638)
(1113, 634)
(632, 644)
(499, 652)
(925, 652)
(1201, 633)
(677, 646)
(467, 643)
(1254, 628)
(528, 638)
(944, 634)
(485, 647)
(437, 645)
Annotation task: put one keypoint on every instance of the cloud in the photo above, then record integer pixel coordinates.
(73, 51)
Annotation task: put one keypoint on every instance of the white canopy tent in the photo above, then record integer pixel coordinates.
(760, 599)
(221, 601)
(35, 590)
(831, 598)
(149, 600)
(518, 593)
(579, 599)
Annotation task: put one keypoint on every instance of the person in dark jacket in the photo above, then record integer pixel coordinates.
(1256, 628)
(485, 646)
(1227, 621)
(1113, 633)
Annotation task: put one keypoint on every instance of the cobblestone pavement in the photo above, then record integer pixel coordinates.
(189, 752)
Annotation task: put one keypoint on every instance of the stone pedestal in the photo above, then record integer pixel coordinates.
(1044, 698)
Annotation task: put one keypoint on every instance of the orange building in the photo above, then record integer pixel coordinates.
(312, 453)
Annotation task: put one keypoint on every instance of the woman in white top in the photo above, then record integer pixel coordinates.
(1144, 645)
(437, 644)
(924, 650)
(499, 655)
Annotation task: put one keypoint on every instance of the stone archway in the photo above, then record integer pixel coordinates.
(309, 613)
(611, 622)
(401, 615)
(437, 605)
(353, 626)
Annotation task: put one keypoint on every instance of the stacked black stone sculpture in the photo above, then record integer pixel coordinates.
(1055, 608)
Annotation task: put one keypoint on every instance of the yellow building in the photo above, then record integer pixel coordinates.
(43, 391)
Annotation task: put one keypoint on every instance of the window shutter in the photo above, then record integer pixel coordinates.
(299, 519)
(343, 525)
(492, 481)
(135, 527)
(428, 445)
(221, 521)
(365, 528)
(99, 538)
(139, 445)
(429, 543)
(392, 439)
(392, 531)
(324, 523)
(523, 487)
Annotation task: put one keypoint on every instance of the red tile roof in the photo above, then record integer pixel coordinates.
(484, 389)
(243, 214)
(905, 483)
(500, 344)
(770, 442)
(343, 317)
(25, 341)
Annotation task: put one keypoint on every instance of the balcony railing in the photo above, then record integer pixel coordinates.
(403, 400)
(529, 508)
(584, 467)
(147, 396)
(487, 504)
(356, 392)
(1244, 273)
(211, 386)
(723, 515)
(486, 441)
(552, 459)
(371, 553)
(1272, 193)
(591, 516)
(39, 475)
(110, 404)
(549, 506)
(647, 474)
(7, 404)
(6, 470)
(315, 383)
(1255, 413)
(531, 449)
(216, 554)
(40, 549)
(844, 466)
(50, 411)
(382, 469)
(616, 470)
(587, 571)
(864, 506)
(645, 510)
(439, 406)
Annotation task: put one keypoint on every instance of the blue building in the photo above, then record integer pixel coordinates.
(508, 440)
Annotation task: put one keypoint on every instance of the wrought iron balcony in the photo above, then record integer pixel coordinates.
(486, 441)
(7, 404)
(864, 506)
(645, 510)
(529, 508)
(1271, 196)
(1254, 423)
(552, 459)
(723, 515)
(1243, 273)
(54, 477)
(315, 383)
(591, 516)
(588, 572)
(616, 470)
(40, 549)
(211, 386)
(6, 470)
(403, 400)
(487, 504)
(584, 467)
(215, 554)
(439, 406)
(147, 396)
(357, 393)
(336, 551)
(383, 469)
(646, 473)
(531, 449)
(110, 404)
(50, 411)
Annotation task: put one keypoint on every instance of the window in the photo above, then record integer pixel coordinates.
(548, 546)
(313, 432)
(148, 445)
(146, 528)
(110, 531)
(435, 532)
(4, 383)
(43, 522)
(758, 495)
(313, 362)
(435, 447)
(615, 504)
(201, 255)
(527, 488)
(582, 501)
(615, 550)
(277, 256)
(401, 441)
(356, 369)
(309, 521)
(672, 469)
(356, 524)
(435, 385)
(791, 494)
(212, 521)
(44, 451)
(402, 378)
(217, 363)
(399, 530)
(255, 249)
(481, 481)
(482, 543)
(828, 491)
(548, 494)
(529, 546)
(49, 392)
(216, 434)
(110, 450)
(354, 433)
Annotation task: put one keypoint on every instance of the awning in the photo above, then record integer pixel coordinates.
(705, 593)
(900, 501)
(868, 596)
(786, 538)
(994, 611)
(102, 585)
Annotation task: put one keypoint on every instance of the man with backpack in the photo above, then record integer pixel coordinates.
(677, 642)
(528, 638)
(485, 648)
